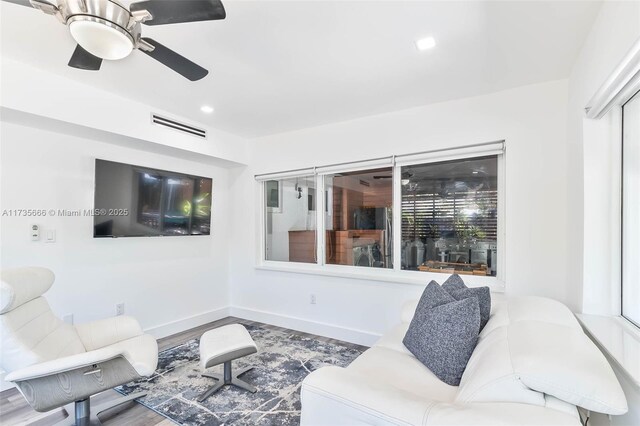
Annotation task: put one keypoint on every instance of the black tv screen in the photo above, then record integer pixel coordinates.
(135, 201)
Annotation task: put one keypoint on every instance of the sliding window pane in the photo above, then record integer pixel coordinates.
(631, 210)
(358, 218)
(290, 219)
(449, 216)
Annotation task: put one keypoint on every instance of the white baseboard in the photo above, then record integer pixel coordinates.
(183, 324)
(360, 337)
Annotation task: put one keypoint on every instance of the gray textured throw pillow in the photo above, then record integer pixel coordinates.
(443, 333)
(454, 282)
(457, 288)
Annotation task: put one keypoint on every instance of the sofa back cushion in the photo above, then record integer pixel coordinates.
(534, 346)
(563, 362)
(491, 377)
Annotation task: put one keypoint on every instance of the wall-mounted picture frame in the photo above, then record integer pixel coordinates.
(273, 195)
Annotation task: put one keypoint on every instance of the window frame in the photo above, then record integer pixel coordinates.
(395, 274)
(634, 96)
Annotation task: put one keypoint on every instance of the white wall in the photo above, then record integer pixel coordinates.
(593, 163)
(531, 119)
(168, 283)
(593, 167)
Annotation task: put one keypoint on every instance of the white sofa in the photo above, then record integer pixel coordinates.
(529, 343)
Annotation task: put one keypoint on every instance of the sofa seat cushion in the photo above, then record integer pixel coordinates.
(402, 371)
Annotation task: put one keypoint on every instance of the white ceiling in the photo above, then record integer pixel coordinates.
(277, 66)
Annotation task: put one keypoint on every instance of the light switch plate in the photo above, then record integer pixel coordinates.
(50, 236)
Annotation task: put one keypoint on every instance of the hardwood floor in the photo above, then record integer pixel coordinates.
(14, 410)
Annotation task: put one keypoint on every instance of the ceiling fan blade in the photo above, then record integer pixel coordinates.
(26, 3)
(178, 11)
(43, 5)
(176, 62)
(84, 60)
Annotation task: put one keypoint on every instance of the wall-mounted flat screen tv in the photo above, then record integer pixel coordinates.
(135, 201)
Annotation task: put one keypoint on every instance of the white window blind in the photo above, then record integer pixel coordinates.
(284, 175)
(430, 215)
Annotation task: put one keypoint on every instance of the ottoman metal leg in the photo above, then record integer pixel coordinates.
(227, 378)
(213, 389)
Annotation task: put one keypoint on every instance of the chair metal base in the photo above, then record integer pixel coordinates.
(80, 413)
(227, 378)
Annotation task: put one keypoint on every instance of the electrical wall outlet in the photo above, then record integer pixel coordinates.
(120, 308)
(35, 232)
(68, 318)
(312, 299)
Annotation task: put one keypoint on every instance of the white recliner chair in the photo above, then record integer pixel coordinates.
(56, 364)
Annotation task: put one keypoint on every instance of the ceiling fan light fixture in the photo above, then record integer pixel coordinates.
(101, 38)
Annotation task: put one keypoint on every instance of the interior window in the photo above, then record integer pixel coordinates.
(290, 215)
(358, 218)
(450, 216)
(631, 210)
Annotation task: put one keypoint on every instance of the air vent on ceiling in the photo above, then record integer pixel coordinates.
(180, 127)
(364, 183)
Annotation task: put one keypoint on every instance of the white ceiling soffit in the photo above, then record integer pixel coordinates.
(277, 66)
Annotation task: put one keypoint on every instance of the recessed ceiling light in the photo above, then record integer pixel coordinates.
(206, 109)
(475, 172)
(425, 43)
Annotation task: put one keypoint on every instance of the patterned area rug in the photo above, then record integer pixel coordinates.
(283, 360)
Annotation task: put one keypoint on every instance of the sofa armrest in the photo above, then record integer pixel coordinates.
(335, 396)
(99, 334)
(61, 365)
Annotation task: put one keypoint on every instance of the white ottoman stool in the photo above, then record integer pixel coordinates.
(223, 345)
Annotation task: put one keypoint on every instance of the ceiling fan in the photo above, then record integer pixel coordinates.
(106, 29)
